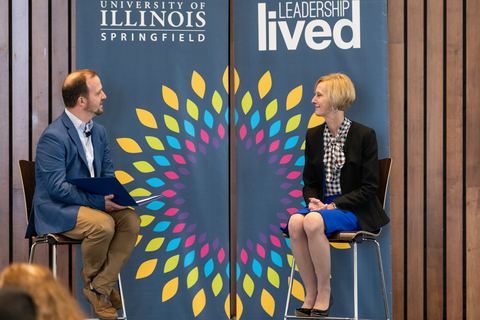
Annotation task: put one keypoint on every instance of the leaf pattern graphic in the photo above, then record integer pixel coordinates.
(179, 137)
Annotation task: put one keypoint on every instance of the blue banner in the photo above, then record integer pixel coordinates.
(162, 67)
(281, 49)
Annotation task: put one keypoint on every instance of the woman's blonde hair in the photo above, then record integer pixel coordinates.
(340, 91)
(52, 300)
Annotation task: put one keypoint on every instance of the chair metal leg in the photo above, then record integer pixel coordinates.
(54, 260)
(32, 249)
(355, 280)
(32, 252)
(290, 287)
(120, 290)
(382, 278)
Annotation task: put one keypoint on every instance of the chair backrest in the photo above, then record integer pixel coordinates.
(385, 166)
(27, 174)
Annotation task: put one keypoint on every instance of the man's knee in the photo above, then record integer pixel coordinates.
(134, 222)
(101, 227)
(105, 226)
(130, 221)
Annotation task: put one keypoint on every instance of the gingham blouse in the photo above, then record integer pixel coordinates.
(334, 157)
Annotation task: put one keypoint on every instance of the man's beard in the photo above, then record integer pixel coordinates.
(97, 112)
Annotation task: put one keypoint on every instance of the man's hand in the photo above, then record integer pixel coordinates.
(110, 205)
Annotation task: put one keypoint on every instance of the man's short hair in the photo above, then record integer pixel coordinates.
(75, 86)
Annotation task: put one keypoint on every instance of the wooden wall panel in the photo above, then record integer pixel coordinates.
(396, 57)
(454, 159)
(35, 57)
(438, 208)
(20, 142)
(472, 150)
(4, 134)
(60, 53)
(415, 157)
(40, 88)
(434, 159)
(40, 70)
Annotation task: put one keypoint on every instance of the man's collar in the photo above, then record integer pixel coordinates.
(79, 124)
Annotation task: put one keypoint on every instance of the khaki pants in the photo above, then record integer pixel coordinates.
(108, 241)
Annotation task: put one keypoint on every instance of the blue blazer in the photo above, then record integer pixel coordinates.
(60, 157)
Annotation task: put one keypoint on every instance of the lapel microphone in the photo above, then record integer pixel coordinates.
(88, 130)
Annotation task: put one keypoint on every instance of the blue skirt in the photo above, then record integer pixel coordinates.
(335, 220)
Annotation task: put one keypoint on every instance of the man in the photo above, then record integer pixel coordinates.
(73, 146)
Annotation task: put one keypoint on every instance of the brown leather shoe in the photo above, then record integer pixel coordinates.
(115, 299)
(114, 295)
(101, 304)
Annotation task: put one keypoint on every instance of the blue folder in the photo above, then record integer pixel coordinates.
(110, 185)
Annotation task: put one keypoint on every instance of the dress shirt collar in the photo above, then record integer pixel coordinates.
(79, 124)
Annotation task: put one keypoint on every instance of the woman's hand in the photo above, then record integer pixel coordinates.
(315, 205)
(330, 206)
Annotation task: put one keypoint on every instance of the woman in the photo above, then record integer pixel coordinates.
(52, 300)
(16, 304)
(341, 181)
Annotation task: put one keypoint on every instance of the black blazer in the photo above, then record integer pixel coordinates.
(358, 177)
